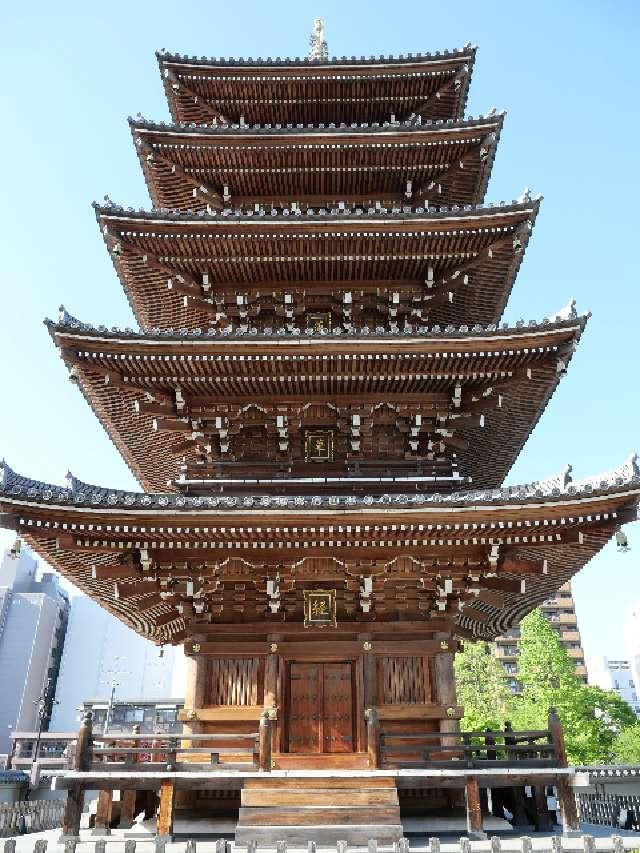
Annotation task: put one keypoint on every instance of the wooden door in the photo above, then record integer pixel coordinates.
(337, 708)
(305, 695)
(320, 708)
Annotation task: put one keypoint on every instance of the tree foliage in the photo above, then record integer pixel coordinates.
(626, 749)
(482, 688)
(592, 718)
(598, 725)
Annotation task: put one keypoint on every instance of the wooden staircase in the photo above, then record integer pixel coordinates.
(325, 810)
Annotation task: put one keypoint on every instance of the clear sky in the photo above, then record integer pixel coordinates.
(567, 74)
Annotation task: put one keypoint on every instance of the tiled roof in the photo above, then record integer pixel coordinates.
(468, 50)
(76, 492)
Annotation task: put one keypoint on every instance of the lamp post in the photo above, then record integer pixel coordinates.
(113, 683)
(44, 701)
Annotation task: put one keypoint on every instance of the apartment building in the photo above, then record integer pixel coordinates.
(560, 610)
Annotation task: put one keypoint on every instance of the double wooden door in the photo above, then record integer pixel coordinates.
(320, 707)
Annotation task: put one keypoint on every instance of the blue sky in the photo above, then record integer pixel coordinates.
(568, 77)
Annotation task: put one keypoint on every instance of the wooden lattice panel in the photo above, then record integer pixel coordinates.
(403, 680)
(233, 681)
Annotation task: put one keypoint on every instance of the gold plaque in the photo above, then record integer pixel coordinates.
(367, 646)
(318, 445)
(319, 322)
(273, 648)
(444, 645)
(319, 608)
(195, 648)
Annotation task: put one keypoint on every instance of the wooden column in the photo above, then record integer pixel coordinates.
(543, 820)
(271, 696)
(164, 822)
(373, 738)
(566, 796)
(445, 689)
(103, 813)
(75, 795)
(266, 740)
(194, 698)
(195, 688)
(271, 673)
(369, 674)
(474, 812)
(128, 800)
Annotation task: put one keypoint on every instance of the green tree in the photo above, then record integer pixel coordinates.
(592, 718)
(482, 688)
(626, 749)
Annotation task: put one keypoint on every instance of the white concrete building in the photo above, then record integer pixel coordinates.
(615, 675)
(100, 653)
(33, 618)
(632, 640)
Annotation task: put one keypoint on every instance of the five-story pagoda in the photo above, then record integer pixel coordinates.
(320, 404)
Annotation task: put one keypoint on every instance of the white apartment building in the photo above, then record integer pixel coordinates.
(615, 675)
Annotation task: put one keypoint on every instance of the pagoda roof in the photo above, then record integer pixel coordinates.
(189, 167)
(307, 91)
(504, 550)
(327, 252)
(150, 391)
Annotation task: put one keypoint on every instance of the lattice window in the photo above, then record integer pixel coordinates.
(233, 682)
(403, 680)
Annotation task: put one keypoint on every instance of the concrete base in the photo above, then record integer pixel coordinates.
(100, 831)
(473, 835)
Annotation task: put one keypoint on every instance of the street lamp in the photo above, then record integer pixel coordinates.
(44, 702)
(114, 673)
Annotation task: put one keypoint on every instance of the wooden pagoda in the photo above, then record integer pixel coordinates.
(320, 406)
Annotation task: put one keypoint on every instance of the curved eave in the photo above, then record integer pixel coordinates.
(168, 306)
(563, 529)
(435, 135)
(233, 71)
(503, 356)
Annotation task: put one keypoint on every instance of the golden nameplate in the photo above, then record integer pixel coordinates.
(319, 608)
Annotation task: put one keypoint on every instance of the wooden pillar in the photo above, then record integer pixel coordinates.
(265, 741)
(568, 805)
(373, 738)
(128, 801)
(164, 822)
(271, 673)
(474, 812)
(445, 689)
(72, 812)
(75, 795)
(566, 796)
(369, 675)
(543, 820)
(194, 698)
(103, 813)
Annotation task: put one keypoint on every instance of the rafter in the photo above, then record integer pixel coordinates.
(179, 85)
(212, 196)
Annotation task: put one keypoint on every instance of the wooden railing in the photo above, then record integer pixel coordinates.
(470, 749)
(110, 753)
